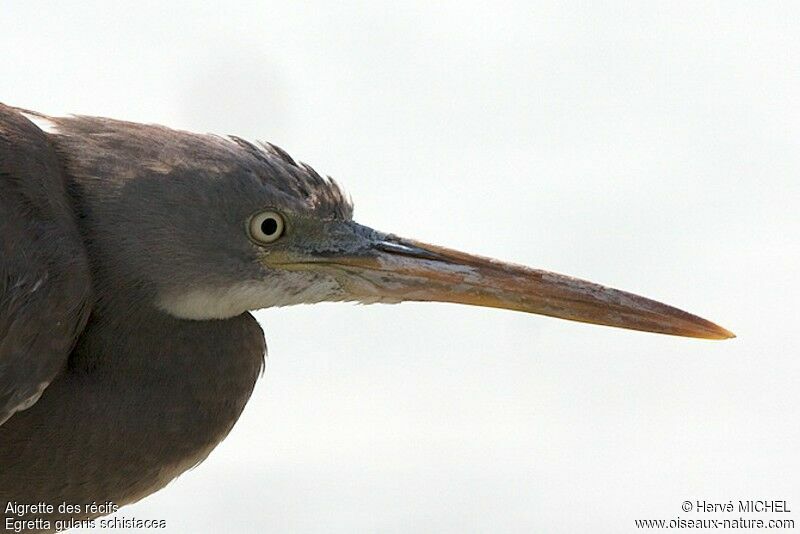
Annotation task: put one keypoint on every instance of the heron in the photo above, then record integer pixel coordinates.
(132, 256)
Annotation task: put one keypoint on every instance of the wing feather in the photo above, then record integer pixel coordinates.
(44, 277)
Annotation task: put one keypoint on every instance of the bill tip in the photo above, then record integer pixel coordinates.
(722, 333)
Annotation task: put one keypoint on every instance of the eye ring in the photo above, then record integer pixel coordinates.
(266, 227)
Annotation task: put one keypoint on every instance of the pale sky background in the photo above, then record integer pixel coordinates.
(654, 147)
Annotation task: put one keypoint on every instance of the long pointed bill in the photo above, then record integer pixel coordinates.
(403, 270)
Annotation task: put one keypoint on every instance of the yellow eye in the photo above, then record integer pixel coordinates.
(266, 227)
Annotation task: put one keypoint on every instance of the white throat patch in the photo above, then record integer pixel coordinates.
(287, 289)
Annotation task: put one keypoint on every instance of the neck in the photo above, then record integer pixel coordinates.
(144, 397)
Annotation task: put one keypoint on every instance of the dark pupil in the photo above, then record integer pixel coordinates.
(269, 226)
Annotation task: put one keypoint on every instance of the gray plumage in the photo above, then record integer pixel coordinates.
(131, 255)
(86, 239)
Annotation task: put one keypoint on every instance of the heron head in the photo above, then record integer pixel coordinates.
(218, 226)
(308, 249)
